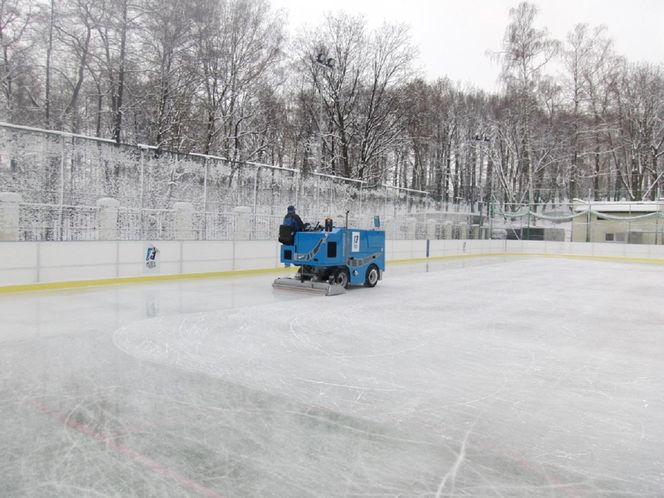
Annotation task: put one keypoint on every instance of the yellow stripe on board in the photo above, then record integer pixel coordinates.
(75, 284)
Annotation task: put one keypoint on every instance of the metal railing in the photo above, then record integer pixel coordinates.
(65, 169)
(60, 177)
(51, 222)
(54, 222)
(643, 224)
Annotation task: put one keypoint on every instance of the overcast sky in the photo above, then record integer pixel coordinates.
(454, 35)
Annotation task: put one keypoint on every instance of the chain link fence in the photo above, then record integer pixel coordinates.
(48, 167)
(617, 223)
(61, 177)
(44, 222)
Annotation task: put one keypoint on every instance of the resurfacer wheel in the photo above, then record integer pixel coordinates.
(372, 276)
(341, 277)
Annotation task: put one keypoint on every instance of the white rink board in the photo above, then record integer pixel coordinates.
(36, 262)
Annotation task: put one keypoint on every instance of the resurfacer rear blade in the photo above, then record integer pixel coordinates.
(312, 286)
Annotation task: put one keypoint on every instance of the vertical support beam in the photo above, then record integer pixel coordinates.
(629, 225)
(62, 191)
(491, 217)
(656, 226)
(205, 198)
(360, 210)
(141, 231)
(253, 225)
(72, 169)
(387, 193)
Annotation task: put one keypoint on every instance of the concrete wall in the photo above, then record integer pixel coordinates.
(37, 262)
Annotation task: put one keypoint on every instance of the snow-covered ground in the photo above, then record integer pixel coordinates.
(500, 377)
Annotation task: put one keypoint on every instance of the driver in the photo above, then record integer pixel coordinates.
(292, 219)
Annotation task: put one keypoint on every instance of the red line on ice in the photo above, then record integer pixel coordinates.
(156, 467)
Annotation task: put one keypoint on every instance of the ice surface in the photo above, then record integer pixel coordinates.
(530, 377)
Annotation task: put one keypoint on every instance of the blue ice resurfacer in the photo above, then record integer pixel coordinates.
(331, 258)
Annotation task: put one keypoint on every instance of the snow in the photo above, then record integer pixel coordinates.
(504, 377)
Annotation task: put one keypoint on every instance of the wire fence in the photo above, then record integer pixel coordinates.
(616, 223)
(61, 177)
(50, 167)
(45, 222)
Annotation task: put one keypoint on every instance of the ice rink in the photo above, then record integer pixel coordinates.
(496, 377)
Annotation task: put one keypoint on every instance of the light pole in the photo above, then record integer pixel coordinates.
(483, 138)
(327, 63)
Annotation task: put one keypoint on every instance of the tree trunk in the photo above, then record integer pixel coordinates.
(49, 50)
(117, 119)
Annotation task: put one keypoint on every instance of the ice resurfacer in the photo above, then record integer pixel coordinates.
(330, 259)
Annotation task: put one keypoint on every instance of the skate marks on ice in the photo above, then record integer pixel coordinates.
(507, 388)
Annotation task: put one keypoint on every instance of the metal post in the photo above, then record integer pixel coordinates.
(360, 210)
(490, 216)
(656, 226)
(141, 195)
(62, 190)
(72, 180)
(205, 196)
(321, 140)
(629, 224)
(571, 231)
(258, 168)
(658, 237)
(387, 193)
(588, 219)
